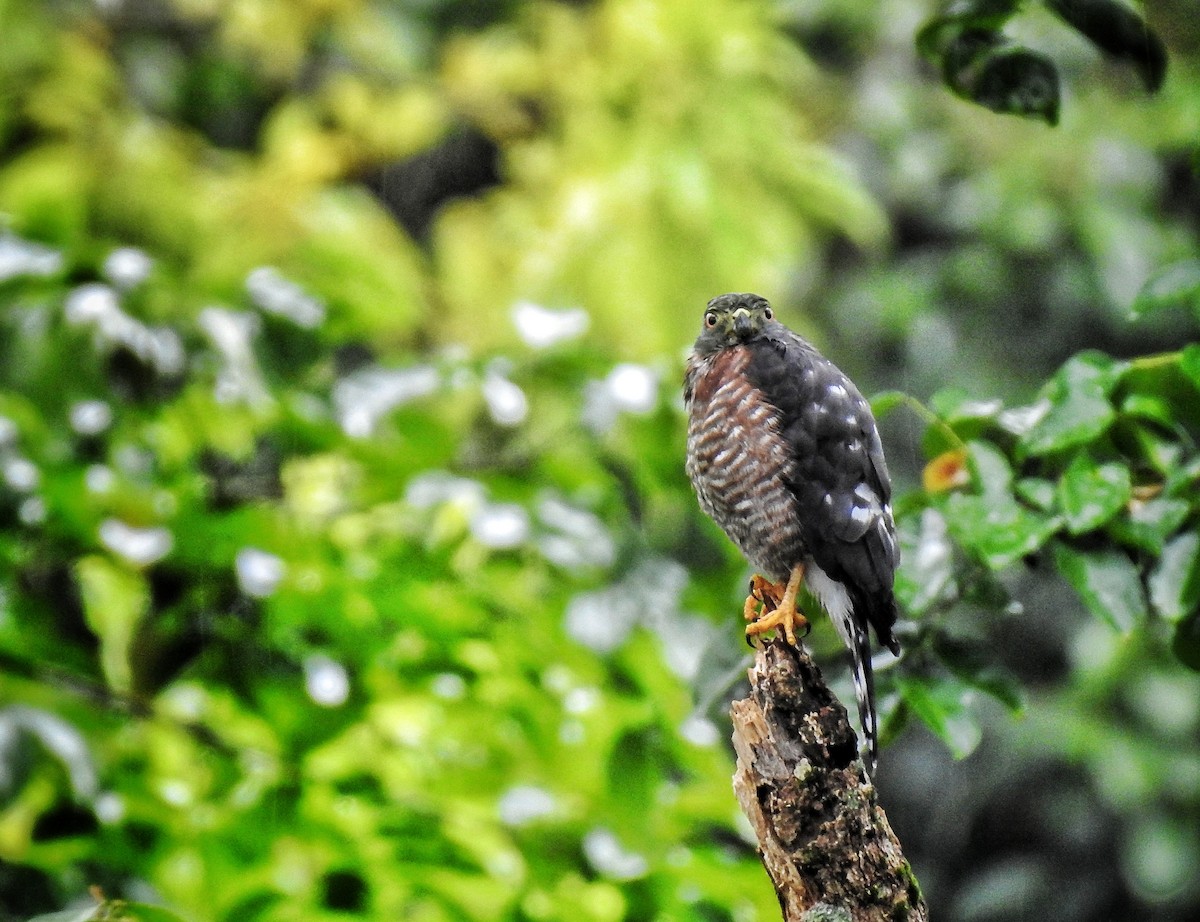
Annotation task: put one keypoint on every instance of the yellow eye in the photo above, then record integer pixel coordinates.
(710, 319)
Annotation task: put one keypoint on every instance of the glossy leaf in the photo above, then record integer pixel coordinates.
(1090, 494)
(926, 573)
(1107, 582)
(1174, 583)
(1079, 409)
(997, 530)
(1150, 522)
(1038, 492)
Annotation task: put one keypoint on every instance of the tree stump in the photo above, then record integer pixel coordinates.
(823, 838)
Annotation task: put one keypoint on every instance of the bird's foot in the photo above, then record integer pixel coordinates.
(776, 607)
(764, 597)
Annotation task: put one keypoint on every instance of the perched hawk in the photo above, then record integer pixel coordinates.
(784, 455)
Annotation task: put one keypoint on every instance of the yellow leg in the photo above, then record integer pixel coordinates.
(784, 616)
(764, 597)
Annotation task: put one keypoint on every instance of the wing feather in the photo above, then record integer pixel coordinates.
(839, 475)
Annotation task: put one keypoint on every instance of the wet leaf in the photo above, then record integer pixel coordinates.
(1150, 522)
(1117, 30)
(927, 562)
(1036, 491)
(992, 472)
(1107, 582)
(998, 530)
(1174, 583)
(1089, 494)
(1080, 409)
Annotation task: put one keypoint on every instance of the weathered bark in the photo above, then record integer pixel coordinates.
(824, 840)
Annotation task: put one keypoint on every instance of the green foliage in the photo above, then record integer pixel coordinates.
(980, 62)
(350, 566)
(1119, 441)
(112, 911)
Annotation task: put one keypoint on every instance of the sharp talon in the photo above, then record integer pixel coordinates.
(782, 614)
(748, 609)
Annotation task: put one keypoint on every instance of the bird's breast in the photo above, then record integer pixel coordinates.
(740, 464)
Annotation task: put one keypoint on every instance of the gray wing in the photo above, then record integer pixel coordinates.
(839, 474)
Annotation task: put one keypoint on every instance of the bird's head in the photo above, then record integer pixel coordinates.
(732, 319)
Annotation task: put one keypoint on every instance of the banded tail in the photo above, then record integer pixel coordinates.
(864, 692)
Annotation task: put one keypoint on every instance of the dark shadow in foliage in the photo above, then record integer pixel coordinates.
(979, 62)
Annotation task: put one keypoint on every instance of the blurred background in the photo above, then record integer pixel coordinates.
(349, 566)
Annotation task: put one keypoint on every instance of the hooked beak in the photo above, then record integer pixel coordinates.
(741, 322)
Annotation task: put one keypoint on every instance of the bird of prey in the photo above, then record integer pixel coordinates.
(784, 455)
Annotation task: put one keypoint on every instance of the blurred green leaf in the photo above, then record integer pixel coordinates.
(88, 914)
(1090, 494)
(1185, 643)
(941, 706)
(1079, 408)
(1189, 362)
(885, 402)
(115, 600)
(1107, 582)
(997, 530)
(991, 472)
(122, 911)
(1116, 29)
(1038, 492)
(927, 572)
(113, 911)
(969, 662)
(1017, 81)
(1177, 285)
(1150, 522)
(963, 14)
(1174, 583)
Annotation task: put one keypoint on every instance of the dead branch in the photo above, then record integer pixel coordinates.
(823, 838)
